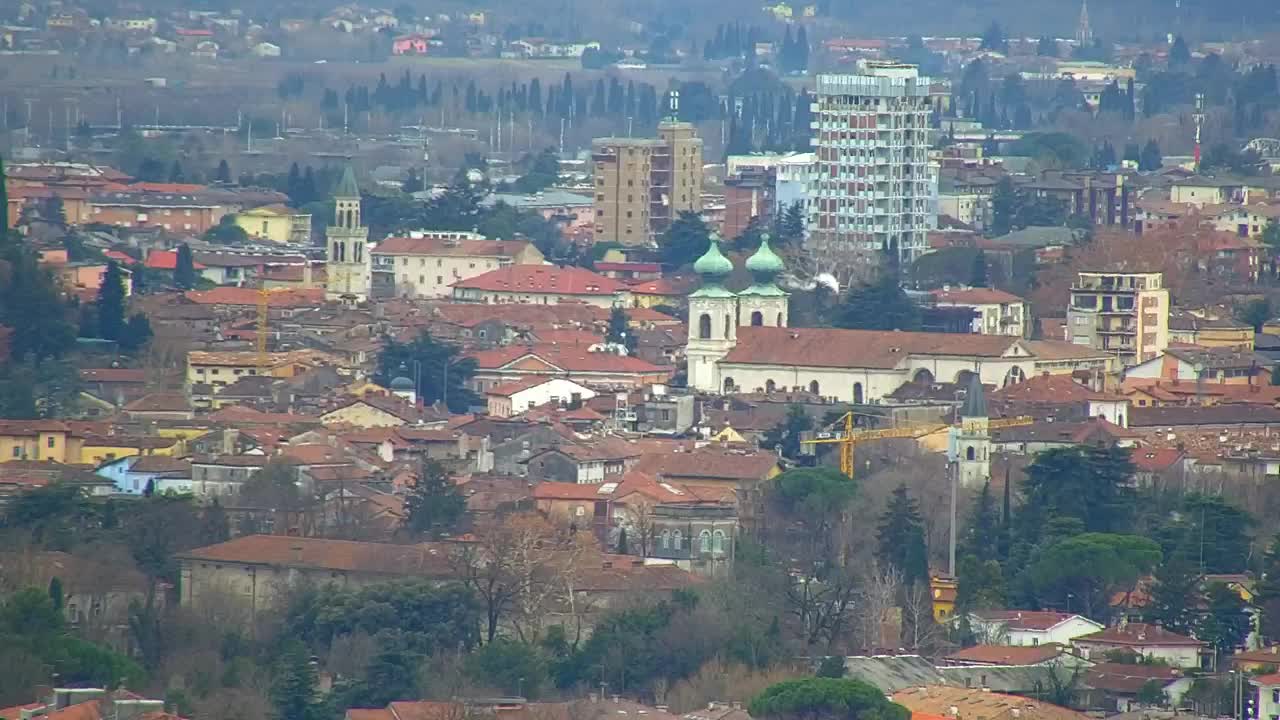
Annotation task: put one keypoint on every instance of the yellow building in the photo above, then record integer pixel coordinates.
(1125, 314)
(276, 223)
(221, 368)
(642, 184)
(97, 449)
(944, 597)
(41, 440)
(1199, 327)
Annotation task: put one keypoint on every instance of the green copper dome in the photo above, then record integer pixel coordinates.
(713, 265)
(765, 263)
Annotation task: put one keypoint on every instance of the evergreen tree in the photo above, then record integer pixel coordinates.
(109, 307)
(882, 305)
(622, 541)
(981, 537)
(293, 684)
(1150, 159)
(619, 331)
(993, 38)
(785, 436)
(55, 593)
(136, 333)
(978, 276)
(184, 271)
(1046, 47)
(1268, 592)
(1179, 53)
(900, 538)
(434, 505)
(1175, 593)
(790, 227)
(175, 172)
(215, 527)
(1226, 621)
(32, 305)
(685, 240)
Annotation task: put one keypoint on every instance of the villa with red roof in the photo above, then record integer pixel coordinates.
(1030, 627)
(578, 363)
(428, 265)
(1150, 642)
(513, 398)
(543, 285)
(996, 312)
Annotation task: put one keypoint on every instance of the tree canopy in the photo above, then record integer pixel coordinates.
(821, 698)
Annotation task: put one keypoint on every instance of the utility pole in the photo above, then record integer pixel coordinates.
(953, 472)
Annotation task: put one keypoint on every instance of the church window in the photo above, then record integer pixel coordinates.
(969, 454)
(728, 385)
(857, 393)
(757, 319)
(704, 541)
(704, 327)
(717, 541)
(813, 387)
(769, 386)
(728, 325)
(778, 321)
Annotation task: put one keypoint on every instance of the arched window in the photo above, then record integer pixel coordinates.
(704, 327)
(677, 540)
(963, 377)
(704, 541)
(969, 453)
(666, 539)
(813, 387)
(1014, 376)
(757, 319)
(728, 326)
(728, 385)
(717, 541)
(857, 393)
(334, 254)
(922, 377)
(778, 322)
(359, 251)
(769, 386)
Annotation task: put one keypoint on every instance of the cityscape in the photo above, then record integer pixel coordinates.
(678, 361)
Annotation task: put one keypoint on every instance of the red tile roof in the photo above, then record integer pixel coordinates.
(511, 388)
(1268, 680)
(1007, 654)
(628, 267)
(710, 464)
(440, 246)
(568, 358)
(431, 559)
(974, 296)
(166, 260)
(1054, 389)
(549, 279)
(1155, 459)
(1025, 619)
(1139, 634)
(1128, 678)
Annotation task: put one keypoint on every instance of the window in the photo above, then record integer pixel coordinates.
(757, 319)
(769, 386)
(704, 541)
(677, 540)
(857, 393)
(813, 387)
(17, 452)
(717, 541)
(704, 327)
(969, 453)
(666, 539)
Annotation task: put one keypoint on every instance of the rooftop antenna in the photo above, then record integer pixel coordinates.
(1198, 118)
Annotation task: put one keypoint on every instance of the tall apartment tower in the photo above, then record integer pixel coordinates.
(348, 262)
(873, 189)
(1124, 313)
(642, 184)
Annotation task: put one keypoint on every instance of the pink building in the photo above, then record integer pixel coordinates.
(415, 44)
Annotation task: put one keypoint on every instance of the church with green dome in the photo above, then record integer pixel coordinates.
(715, 312)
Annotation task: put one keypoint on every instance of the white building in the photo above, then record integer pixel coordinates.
(998, 312)
(1267, 703)
(1150, 642)
(513, 398)
(874, 189)
(427, 264)
(348, 266)
(1029, 627)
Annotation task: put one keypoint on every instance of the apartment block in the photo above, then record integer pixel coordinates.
(642, 184)
(874, 188)
(1125, 314)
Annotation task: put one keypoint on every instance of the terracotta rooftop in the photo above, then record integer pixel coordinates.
(167, 260)
(160, 402)
(1126, 678)
(549, 279)
(430, 559)
(567, 358)
(709, 463)
(980, 704)
(1033, 620)
(440, 246)
(974, 296)
(1055, 389)
(1139, 635)
(1223, 414)
(160, 464)
(1155, 459)
(1006, 654)
(284, 298)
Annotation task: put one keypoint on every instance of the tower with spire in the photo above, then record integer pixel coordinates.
(348, 264)
(1084, 32)
(972, 440)
(764, 303)
(713, 319)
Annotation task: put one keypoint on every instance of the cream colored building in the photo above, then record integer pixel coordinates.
(998, 312)
(221, 368)
(643, 184)
(1124, 314)
(276, 223)
(349, 265)
(426, 265)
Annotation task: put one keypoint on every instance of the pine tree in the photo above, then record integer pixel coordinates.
(175, 172)
(1150, 160)
(184, 271)
(900, 538)
(136, 334)
(434, 505)
(622, 541)
(981, 538)
(215, 527)
(293, 684)
(55, 593)
(110, 303)
(619, 331)
(978, 276)
(1175, 593)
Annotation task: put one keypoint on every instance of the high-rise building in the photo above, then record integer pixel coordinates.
(874, 189)
(348, 262)
(642, 184)
(1124, 313)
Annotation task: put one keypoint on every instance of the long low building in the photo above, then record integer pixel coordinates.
(867, 365)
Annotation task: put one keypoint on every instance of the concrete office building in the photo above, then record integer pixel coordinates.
(643, 184)
(874, 188)
(1125, 314)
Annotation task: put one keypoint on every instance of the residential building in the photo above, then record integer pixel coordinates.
(189, 212)
(1215, 366)
(578, 363)
(412, 44)
(1060, 398)
(874, 188)
(1114, 687)
(979, 703)
(1029, 627)
(1246, 220)
(542, 285)
(349, 270)
(276, 223)
(514, 398)
(794, 177)
(1006, 655)
(996, 312)
(426, 265)
(1123, 313)
(1149, 642)
(1267, 699)
(643, 184)
(41, 440)
(748, 197)
(1209, 329)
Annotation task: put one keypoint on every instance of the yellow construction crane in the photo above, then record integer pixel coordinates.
(841, 432)
(264, 302)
